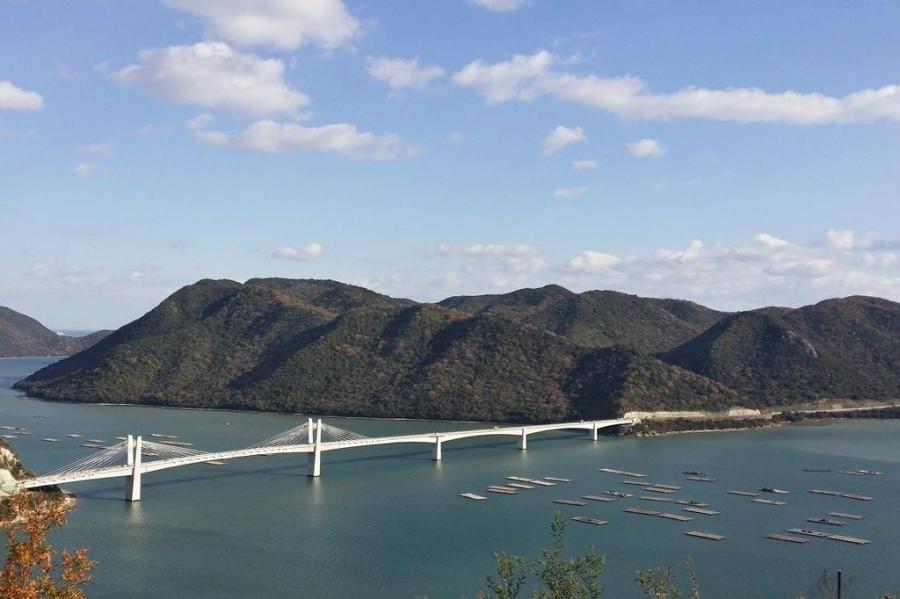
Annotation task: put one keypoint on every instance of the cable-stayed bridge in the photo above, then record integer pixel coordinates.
(134, 457)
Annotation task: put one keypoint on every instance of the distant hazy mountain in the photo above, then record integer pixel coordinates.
(22, 335)
(326, 347)
(531, 355)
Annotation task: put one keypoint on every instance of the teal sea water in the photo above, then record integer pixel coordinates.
(388, 522)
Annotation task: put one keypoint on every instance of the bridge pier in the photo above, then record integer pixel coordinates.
(133, 482)
(523, 443)
(314, 459)
(436, 450)
(593, 431)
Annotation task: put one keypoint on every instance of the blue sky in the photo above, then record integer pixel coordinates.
(731, 154)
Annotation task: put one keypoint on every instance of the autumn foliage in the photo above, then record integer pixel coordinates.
(32, 569)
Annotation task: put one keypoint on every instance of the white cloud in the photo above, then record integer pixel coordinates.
(16, 98)
(500, 5)
(400, 73)
(562, 137)
(215, 76)
(646, 148)
(497, 265)
(486, 249)
(590, 261)
(342, 138)
(284, 24)
(84, 169)
(769, 241)
(504, 81)
(848, 240)
(310, 251)
(565, 193)
(529, 77)
(585, 165)
(841, 239)
(887, 260)
(99, 149)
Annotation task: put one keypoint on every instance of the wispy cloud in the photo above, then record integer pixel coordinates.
(561, 137)
(527, 78)
(310, 251)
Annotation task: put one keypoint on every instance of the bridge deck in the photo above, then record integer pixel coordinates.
(428, 438)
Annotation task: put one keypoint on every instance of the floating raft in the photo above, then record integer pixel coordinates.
(810, 533)
(861, 472)
(473, 496)
(700, 510)
(789, 538)
(853, 540)
(768, 501)
(586, 520)
(817, 470)
(521, 486)
(659, 499)
(93, 446)
(501, 487)
(662, 486)
(571, 502)
(655, 489)
(703, 479)
(678, 517)
(691, 503)
(827, 535)
(776, 491)
(533, 481)
(622, 472)
(827, 521)
(667, 515)
(50, 440)
(215, 463)
(710, 536)
(96, 441)
(638, 483)
(840, 494)
(74, 435)
(845, 516)
(743, 493)
(619, 494)
(501, 491)
(598, 498)
(558, 479)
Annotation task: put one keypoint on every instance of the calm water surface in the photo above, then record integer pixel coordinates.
(387, 522)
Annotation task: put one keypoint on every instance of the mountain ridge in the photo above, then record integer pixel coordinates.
(23, 336)
(532, 355)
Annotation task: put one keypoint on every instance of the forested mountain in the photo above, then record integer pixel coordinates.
(527, 356)
(22, 335)
(326, 347)
(842, 348)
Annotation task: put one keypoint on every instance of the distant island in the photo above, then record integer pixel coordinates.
(533, 355)
(23, 336)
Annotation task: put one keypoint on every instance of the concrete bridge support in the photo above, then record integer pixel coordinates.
(314, 459)
(133, 482)
(523, 443)
(436, 451)
(593, 431)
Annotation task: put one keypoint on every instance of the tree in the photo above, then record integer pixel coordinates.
(657, 583)
(559, 578)
(32, 570)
